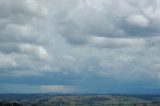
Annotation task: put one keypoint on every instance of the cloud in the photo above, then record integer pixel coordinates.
(89, 18)
(25, 88)
(138, 20)
(21, 9)
(34, 50)
(18, 21)
(115, 42)
(6, 61)
(57, 88)
(18, 18)
(21, 37)
(79, 42)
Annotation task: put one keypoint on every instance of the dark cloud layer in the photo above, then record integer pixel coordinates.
(88, 19)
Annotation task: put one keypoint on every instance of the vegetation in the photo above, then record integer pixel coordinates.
(78, 100)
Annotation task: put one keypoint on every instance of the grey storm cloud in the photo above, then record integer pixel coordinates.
(20, 37)
(118, 35)
(17, 20)
(111, 19)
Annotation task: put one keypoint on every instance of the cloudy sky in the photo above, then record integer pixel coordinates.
(80, 46)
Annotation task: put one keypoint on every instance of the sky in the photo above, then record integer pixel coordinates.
(80, 46)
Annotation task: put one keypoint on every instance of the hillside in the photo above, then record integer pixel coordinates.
(78, 100)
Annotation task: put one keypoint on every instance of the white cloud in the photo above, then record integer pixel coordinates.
(34, 50)
(27, 88)
(7, 61)
(57, 88)
(138, 20)
(115, 42)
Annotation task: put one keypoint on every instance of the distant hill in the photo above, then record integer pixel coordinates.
(78, 100)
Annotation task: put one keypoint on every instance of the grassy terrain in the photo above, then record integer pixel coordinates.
(79, 100)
